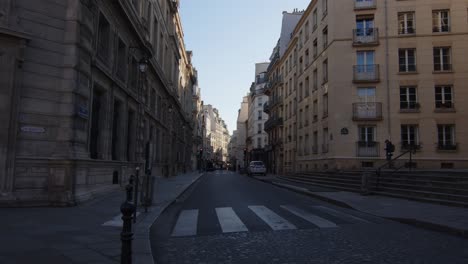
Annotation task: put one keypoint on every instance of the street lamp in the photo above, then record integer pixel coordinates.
(143, 65)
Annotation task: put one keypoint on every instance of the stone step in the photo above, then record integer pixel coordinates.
(428, 188)
(423, 199)
(423, 183)
(354, 186)
(424, 194)
(357, 180)
(321, 185)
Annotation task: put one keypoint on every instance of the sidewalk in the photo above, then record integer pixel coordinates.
(77, 234)
(432, 216)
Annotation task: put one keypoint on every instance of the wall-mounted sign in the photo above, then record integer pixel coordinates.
(32, 129)
(344, 131)
(83, 112)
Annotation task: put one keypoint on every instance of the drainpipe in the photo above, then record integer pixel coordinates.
(387, 74)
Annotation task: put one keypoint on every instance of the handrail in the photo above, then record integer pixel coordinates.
(379, 169)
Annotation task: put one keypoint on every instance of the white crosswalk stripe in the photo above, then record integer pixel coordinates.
(339, 214)
(314, 219)
(229, 220)
(186, 223)
(275, 221)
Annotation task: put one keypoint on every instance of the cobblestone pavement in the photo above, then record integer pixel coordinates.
(356, 238)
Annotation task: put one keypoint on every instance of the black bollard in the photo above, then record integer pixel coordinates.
(126, 236)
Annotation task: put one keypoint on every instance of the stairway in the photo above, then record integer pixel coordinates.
(442, 187)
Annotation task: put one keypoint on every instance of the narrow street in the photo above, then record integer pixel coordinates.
(231, 218)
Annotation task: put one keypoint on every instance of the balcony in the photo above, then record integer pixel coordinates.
(447, 146)
(266, 108)
(414, 146)
(365, 37)
(367, 149)
(366, 73)
(272, 122)
(409, 107)
(275, 101)
(364, 4)
(445, 107)
(367, 111)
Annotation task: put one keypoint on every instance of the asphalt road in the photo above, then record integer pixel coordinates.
(231, 218)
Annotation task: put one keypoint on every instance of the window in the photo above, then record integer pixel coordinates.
(315, 79)
(121, 61)
(407, 60)
(364, 26)
(315, 48)
(259, 142)
(315, 143)
(104, 37)
(446, 137)
(97, 112)
(314, 20)
(116, 128)
(307, 87)
(300, 91)
(259, 128)
(325, 38)
(409, 136)
(315, 111)
(406, 23)
(325, 7)
(259, 115)
(367, 134)
(306, 29)
(325, 71)
(306, 58)
(440, 21)
(325, 140)
(260, 101)
(408, 98)
(443, 97)
(325, 105)
(442, 59)
(155, 35)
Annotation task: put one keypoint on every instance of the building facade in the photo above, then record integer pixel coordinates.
(241, 142)
(216, 140)
(257, 138)
(91, 90)
(357, 73)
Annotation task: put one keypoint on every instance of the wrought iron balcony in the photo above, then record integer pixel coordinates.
(367, 149)
(366, 73)
(447, 146)
(266, 107)
(367, 36)
(414, 146)
(272, 122)
(365, 4)
(367, 111)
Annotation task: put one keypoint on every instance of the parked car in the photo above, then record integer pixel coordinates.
(256, 167)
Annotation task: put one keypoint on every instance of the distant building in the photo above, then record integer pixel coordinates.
(241, 147)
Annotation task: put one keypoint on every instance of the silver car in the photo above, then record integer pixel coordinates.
(256, 167)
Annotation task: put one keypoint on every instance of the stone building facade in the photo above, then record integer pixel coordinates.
(89, 89)
(356, 73)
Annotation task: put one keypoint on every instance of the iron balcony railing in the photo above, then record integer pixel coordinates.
(366, 36)
(367, 149)
(366, 73)
(266, 108)
(365, 4)
(447, 146)
(410, 145)
(272, 122)
(367, 111)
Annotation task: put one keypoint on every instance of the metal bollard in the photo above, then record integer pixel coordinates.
(135, 199)
(365, 183)
(126, 236)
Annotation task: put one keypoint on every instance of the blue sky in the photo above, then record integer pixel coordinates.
(227, 38)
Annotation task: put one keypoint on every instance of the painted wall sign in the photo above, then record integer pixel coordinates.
(32, 129)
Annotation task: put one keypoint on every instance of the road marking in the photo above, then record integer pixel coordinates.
(316, 220)
(339, 214)
(275, 221)
(116, 221)
(186, 223)
(229, 220)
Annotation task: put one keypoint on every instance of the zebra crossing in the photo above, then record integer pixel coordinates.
(227, 220)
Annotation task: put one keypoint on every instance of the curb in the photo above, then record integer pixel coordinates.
(142, 252)
(409, 221)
